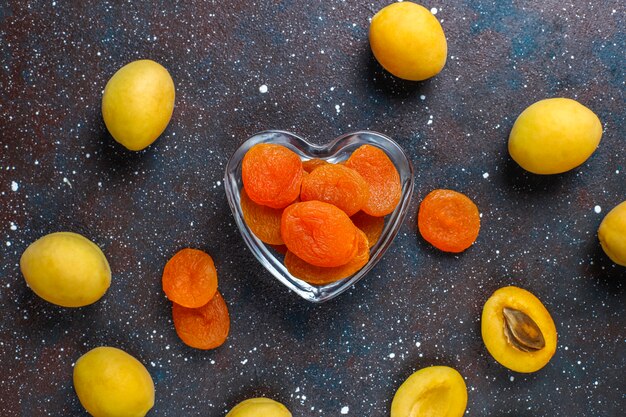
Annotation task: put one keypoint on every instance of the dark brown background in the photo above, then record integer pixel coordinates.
(418, 307)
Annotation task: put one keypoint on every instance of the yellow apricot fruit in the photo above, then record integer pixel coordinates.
(111, 383)
(137, 104)
(408, 41)
(554, 135)
(434, 391)
(612, 234)
(66, 269)
(517, 330)
(259, 407)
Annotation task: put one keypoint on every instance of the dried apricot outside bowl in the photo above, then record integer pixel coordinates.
(337, 151)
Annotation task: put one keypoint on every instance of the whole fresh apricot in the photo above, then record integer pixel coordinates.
(554, 136)
(434, 391)
(408, 41)
(612, 234)
(259, 407)
(66, 269)
(137, 104)
(517, 330)
(111, 383)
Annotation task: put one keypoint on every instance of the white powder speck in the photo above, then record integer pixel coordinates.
(14, 186)
(422, 97)
(512, 378)
(245, 361)
(263, 89)
(433, 10)
(392, 355)
(65, 180)
(219, 183)
(418, 344)
(8, 243)
(337, 108)
(13, 226)
(486, 175)
(429, 122)
(345, 410)
(617, 171)
(597, 209)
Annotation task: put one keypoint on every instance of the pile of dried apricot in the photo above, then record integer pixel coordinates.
(200, 313)
(327, 215)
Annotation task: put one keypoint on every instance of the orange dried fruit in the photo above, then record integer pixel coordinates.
(311, 164)
(205, 327)
(448, 220)
(382, 177)
(271, 175)
(338, 185)
(262, 220)
(282, 249)
(370, 225)
(319, 275)
(319, 233)
(190, 278)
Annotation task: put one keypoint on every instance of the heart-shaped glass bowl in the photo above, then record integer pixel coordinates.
(336, 151)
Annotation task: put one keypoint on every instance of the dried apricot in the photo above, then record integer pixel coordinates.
(190, 278)
(370, 225)
(271, 175)
(262, 220)
(338, 185)
(319, 233)
(448, 220)
(205, 327)
(311, 164)
(382, 176)
(319, 275)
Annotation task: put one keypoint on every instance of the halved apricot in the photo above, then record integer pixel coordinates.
(517, 330)
(434, 391)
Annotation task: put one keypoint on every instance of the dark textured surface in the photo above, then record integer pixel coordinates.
(60, 170)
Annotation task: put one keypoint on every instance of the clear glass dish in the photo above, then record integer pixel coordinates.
(336, 151)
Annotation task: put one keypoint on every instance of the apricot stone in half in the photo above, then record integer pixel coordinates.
(434, 391)
(517, 330)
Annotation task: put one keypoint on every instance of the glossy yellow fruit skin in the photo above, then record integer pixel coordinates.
(111, 383)
(612, 234)
(434, 391)
(137, 104)
(66, 269)
(408, 41)
(554, 135)
(492, 329)
(259, 407)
